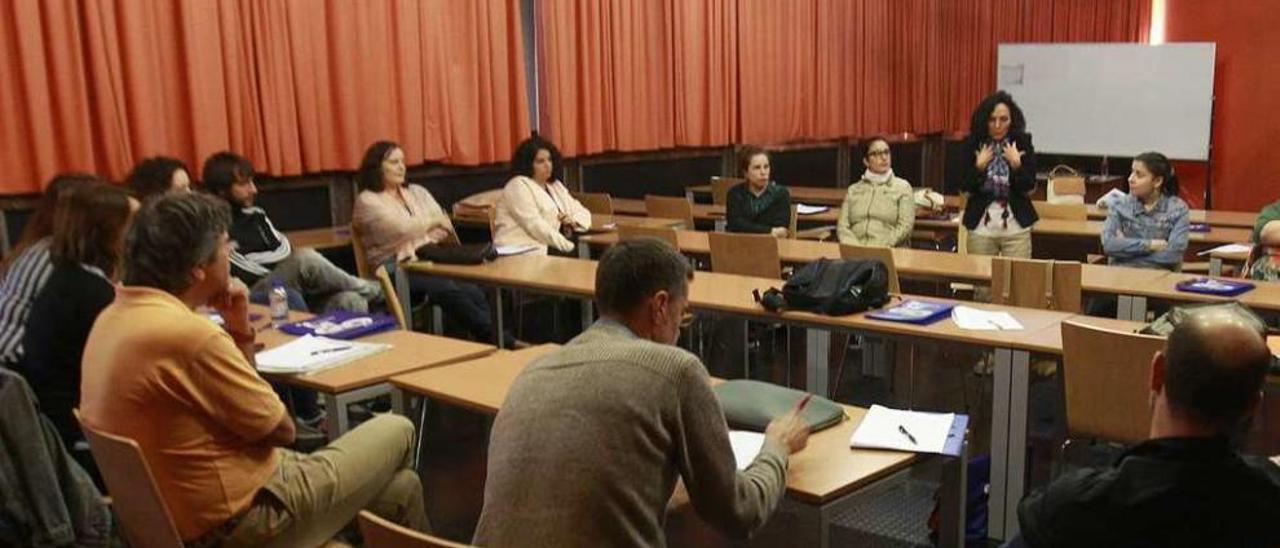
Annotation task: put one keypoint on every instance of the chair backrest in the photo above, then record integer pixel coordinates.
(1106, 375)
(143, 515)
(745, 254)
(882, 254)
(669, 207)
(357, 249)
(793, 221)
(1049, 285)
(1067, 212)
(389, 294)
(598, 203)
(380, 533)
(720, 188)
(666, 234)
(962, 233)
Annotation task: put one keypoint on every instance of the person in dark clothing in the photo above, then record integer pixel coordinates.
(997, 170)
(758, 206)
(1186, 485)
(263, 253)
(88, 239)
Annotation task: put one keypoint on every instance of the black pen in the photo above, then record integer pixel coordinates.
(904, 431)
(328, 350)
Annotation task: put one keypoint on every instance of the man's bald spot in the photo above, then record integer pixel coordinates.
(1227, 338)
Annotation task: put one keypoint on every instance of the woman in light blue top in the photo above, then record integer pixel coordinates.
(1149, 227)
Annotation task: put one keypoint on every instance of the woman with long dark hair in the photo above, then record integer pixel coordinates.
(536, 208)
(997, 169)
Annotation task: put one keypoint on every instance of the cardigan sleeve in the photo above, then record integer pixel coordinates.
(523, 208)
(578, 213)
(906, 215)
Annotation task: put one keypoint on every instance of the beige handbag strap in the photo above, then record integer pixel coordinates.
(1064, 168)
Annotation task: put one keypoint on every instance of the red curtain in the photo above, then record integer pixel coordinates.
(296, 85)
(804, 69)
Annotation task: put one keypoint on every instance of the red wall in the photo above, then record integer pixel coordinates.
(1246, 127)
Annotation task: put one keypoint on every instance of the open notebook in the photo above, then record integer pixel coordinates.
(308, 354)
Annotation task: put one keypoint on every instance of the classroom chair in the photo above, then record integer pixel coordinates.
(392, 296)
(597, 203)
(746, 255)
(357, 249)
(1106, 378)
(380, 533)
(144, 518)
(720, 187)
(631, 232)
(668, 207)
(1066, 212)
(1030, 283)
(819, 233)
(880, 347)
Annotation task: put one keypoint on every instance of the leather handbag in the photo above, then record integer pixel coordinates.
(457, 254)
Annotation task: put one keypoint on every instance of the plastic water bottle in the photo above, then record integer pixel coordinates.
(279, 300)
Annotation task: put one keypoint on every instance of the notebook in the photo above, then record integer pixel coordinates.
(915, 431)
(308, 354)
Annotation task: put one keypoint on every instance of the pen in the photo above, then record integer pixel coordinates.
(904, 431)
(804, 402)
(329, 350)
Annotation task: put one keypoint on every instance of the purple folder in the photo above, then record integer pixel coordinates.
(1214, 286)
(913, 311)
(341, 325)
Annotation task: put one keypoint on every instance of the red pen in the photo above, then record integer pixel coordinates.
(804, 402)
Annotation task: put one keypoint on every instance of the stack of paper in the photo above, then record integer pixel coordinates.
(1229, 248)
(308, 354)
(886, 428)
(983, 320)
(805, 209)
(746, 446)
(505, 250)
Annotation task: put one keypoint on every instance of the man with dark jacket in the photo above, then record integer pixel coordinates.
(263, 254)
(1186, 485)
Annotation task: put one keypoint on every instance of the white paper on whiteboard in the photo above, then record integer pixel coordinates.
(1011, 75)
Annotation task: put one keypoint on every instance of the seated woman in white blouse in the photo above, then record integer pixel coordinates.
(536, 209)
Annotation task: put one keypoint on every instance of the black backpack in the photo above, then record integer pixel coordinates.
(834, 287)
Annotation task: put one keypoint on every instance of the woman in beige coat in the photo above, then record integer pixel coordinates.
(536, 209)
(878, 210)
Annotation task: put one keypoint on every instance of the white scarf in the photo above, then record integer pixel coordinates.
(877, 178)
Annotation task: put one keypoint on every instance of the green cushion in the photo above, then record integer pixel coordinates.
(752, 405)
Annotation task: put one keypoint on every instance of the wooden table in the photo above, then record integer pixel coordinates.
(320, 238)
(1211, 217)
(715, 213)
(731, 295)
(599, 223)
(1092, 230)
(821, 479)
(811, 195)
(910, 263)
(367, 377)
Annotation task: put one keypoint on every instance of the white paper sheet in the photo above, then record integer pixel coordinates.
(505, 250)
(1229, 248)
(308, 354)
(746, 446)
(806, 209)
(983, 320)
(887, 428)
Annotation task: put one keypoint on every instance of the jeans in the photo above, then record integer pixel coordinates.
(312, 497)
(321, 282)
(463, 302)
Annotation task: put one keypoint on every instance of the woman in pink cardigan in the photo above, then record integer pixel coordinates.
(395, 218)
(536, 209)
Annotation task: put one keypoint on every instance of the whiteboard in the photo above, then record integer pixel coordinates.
(1113, 99)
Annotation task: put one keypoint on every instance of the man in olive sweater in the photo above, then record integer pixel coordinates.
(590, 441)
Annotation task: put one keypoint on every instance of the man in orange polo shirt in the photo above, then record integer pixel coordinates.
(210, 428)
